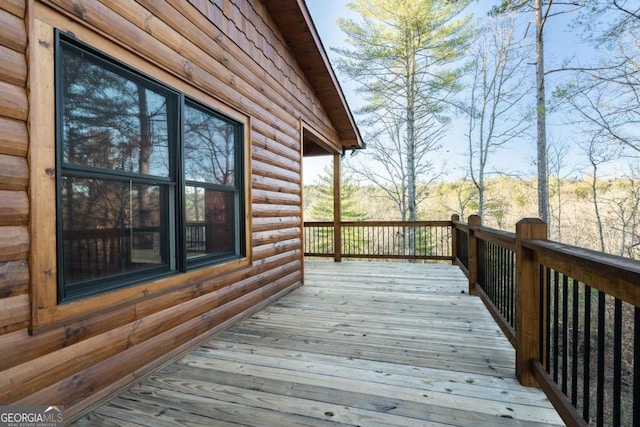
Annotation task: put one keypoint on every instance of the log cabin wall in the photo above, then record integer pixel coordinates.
(228, 54)
(14, 172)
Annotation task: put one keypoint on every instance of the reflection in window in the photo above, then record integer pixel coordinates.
(209, 147)
(210, 222)
(111, 121)
(211, 194)
(110, 228)
(148, 183)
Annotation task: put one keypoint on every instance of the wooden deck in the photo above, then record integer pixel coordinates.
(364, 344)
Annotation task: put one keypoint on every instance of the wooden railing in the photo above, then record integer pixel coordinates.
(572, 314)
(419, 240)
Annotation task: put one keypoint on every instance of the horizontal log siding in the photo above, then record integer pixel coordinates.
(234, 54)
(254, 32)
(14, 170)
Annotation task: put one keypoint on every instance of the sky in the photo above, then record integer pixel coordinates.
(519, 158)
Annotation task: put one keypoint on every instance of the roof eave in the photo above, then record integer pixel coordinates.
(323, 78)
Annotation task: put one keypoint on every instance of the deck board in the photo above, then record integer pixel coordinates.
(360, 344)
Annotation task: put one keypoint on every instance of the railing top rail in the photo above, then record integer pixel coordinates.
(502, 238)
(611, 274)
(461, 225)
(431, 223)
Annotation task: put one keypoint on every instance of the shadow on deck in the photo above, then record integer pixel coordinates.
(365, 344)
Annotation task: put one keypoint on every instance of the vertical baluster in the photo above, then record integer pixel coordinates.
(328, 239)
(586, 395)
(99, 262)
(499, 278)
(601, 354)
(565, 332)
(617, 361)
(433, 248)
(512, 278)
(487, 265)
(495, 280)
(548, 317)
(556, 316)
(434, 244)
(483, 263)
(507, 285)
(636, 366)
(492, 268)
(501, 285)
(574, 337)
(503, 281)
(344, 231)
(347, 232)
(542, 315)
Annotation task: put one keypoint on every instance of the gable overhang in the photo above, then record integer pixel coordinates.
(294, 22)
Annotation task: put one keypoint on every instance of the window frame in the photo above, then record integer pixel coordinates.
(177, 260)
(239, 207)
(86, 288)
(46, 311)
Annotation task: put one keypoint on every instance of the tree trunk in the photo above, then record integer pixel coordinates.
(411, 154)
(481, 193)
(594, 191)
(543, 179)
(143, 156)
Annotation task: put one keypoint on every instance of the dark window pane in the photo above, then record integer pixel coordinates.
(210, 222)
(111, 227)
(111, 121)
(209, 147)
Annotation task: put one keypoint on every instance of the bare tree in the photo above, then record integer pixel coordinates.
(598, 153)
(402, 55)
(543, 10)
(606, 97)
(624, 205)
(558, 174)
(495, 112)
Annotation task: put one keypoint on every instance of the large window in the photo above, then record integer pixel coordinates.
(149, 181)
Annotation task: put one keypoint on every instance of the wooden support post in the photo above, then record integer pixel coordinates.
(337, 210)
(528, 320)
(473, 221)
(454, 238)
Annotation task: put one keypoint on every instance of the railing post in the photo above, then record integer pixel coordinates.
(528, 322)
(473, 221)
(337, 210)
(454, 238)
